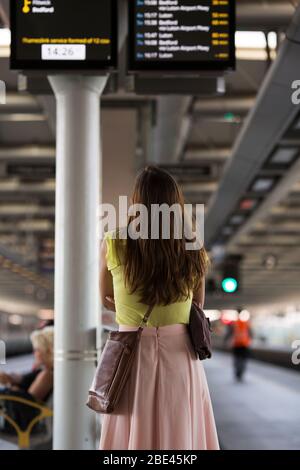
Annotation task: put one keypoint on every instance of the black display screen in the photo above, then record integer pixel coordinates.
(63, 34)
(182, 35)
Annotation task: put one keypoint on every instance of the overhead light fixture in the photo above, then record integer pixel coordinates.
(270, 261)
(255, 40)
(262, 185)
(213, 315)
(229, 316)
(252, 45)
(237, 219)
(15, 320)
(244, 315)
(221, 85)
(217, 252)
(227, 230)
(5, 41)
(284, 156)
(22, 117)
(5, 37)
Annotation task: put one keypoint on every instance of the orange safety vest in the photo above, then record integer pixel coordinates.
(241, 334)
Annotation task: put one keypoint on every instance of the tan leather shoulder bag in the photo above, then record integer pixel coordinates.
(114, 367)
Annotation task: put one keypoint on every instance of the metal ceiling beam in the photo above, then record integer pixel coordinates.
(14, 186)
(167, 133)
(31, 226)
(18, 103)
(268, 120)
(28, 153)
(202, 154)
(4, 13)
(264, 16)
(239, 105)
(279, 193)
(284, 211)
(25, 210)
(199, 188)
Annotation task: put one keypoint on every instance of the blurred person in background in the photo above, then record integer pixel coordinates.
(239, 334)
(35, 385)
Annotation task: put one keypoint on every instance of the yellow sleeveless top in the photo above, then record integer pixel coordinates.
(129, 310)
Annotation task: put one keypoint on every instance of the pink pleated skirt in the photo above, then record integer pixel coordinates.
(166, 403)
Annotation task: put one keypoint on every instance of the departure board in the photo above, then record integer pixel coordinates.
(181, 34)
(63, 34)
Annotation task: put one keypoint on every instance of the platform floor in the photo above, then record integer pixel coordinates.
(262, 413)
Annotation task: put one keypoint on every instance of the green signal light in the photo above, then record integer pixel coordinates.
(229, 285)
(229, 117)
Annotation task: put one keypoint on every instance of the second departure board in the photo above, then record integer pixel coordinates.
(181, 35)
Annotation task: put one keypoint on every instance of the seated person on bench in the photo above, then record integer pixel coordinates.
(36, 385)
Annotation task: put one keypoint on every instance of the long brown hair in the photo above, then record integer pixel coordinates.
(161, 270)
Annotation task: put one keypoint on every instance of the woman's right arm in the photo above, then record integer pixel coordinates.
(199, 294)
(106, 281)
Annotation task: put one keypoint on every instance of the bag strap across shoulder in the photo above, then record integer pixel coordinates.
(146, 316)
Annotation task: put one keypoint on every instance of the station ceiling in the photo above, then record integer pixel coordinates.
(237, 152)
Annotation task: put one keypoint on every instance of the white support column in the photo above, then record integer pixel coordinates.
(78, 189)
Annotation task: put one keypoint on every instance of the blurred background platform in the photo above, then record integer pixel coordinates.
(261, 413)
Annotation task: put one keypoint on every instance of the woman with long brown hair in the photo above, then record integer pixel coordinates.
(166, 403)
